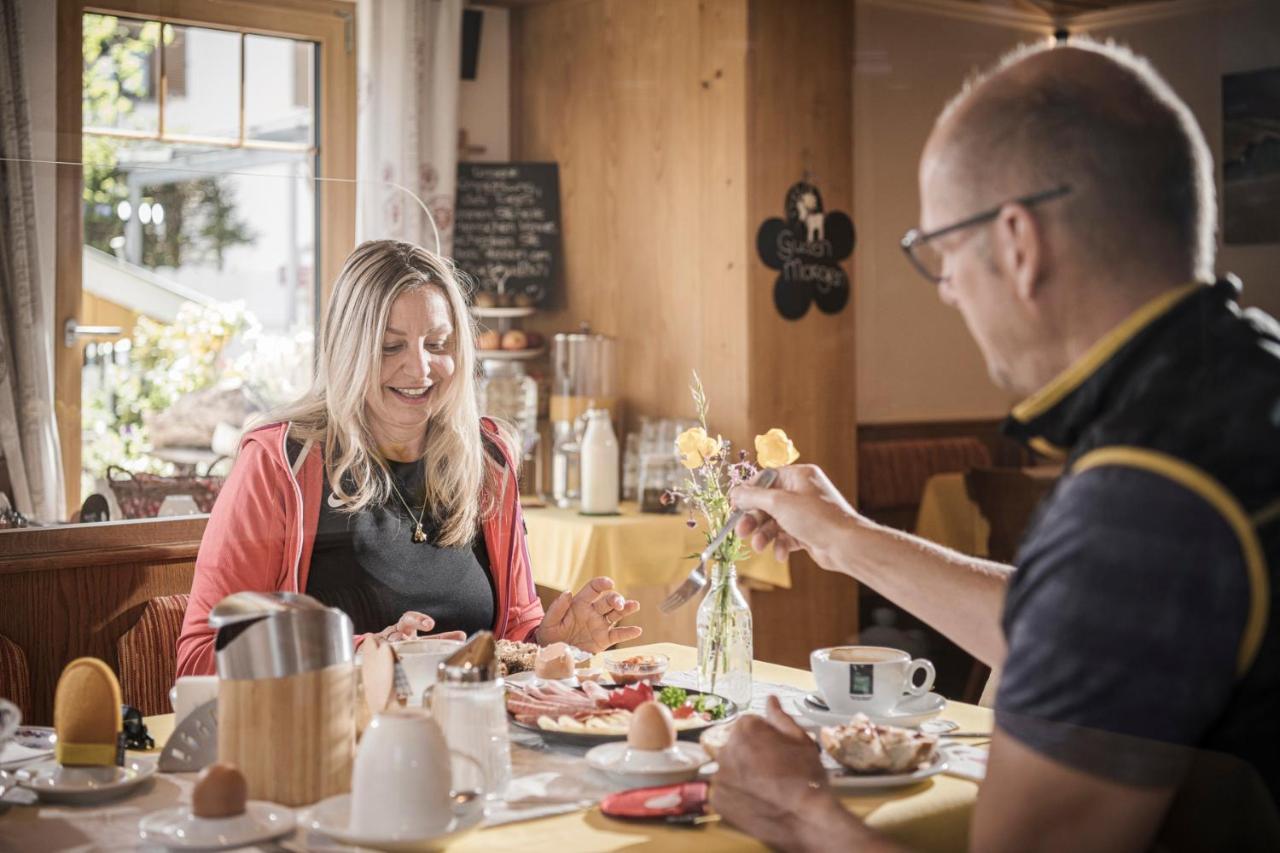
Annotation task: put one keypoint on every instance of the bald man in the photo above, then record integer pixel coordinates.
(1068, 214)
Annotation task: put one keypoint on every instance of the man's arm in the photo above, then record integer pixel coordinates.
(960, 596)
(1030, 802)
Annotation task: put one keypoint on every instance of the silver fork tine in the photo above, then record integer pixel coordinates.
(697, 580)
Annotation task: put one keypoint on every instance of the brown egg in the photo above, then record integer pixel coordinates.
(553, 661)
(652, 728)
(515, 339)
(220, 791)
(489, 339)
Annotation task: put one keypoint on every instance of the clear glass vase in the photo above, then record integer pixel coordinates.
(724, 638)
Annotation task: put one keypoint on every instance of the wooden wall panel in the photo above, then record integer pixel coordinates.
(72, 591)
(642, 105)
(678, 127)
(802, 371)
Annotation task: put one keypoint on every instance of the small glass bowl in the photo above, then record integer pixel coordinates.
(626, 668)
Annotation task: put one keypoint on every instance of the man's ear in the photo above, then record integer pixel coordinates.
(1018, 249)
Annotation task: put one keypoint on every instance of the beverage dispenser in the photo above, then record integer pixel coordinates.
(583, 379)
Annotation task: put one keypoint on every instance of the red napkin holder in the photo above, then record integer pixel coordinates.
(665, 802)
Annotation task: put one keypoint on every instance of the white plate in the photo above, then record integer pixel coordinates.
(332, 817)
(909, 713)
(27, 744)
(178, 829)
(608, 758)
(844, 779)
(54, 783)
(529, 678)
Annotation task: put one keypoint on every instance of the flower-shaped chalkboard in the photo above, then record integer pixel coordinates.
(806, 248)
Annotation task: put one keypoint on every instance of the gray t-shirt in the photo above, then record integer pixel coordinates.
(368, 565)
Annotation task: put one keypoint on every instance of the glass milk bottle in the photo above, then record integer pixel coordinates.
(599, 461)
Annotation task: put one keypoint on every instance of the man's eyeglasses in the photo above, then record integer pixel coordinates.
(928, 259)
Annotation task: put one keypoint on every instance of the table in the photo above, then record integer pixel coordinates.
(950, 517)
(933, 815)
(646, 554)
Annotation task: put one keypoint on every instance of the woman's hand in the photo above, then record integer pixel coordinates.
(411, 623)
(587, 620)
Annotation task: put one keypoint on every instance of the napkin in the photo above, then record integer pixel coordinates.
(86, 714)
(965, 761)
(541, 795)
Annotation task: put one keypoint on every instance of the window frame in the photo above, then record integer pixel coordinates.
(330, 24)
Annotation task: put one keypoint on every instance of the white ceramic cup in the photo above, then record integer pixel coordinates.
(870, 679)
(190, 692)
(419, 658)
(402, 785)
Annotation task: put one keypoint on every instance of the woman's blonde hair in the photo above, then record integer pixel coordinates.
(462, 480)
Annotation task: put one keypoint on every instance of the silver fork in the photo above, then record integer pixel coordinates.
(697, 579)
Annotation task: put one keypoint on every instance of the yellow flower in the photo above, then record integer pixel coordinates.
(774, 449)
(695, 447)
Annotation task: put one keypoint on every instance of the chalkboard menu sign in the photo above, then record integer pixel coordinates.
(507, 231)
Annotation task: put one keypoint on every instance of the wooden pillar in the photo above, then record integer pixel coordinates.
(800, 68)
(679, 127)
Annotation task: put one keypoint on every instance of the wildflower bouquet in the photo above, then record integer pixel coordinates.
(724, 618)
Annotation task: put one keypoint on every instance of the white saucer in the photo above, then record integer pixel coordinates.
(658, 768)
(178, 829)
(843, 778)
(910, 712)
(332, 817)
(54, 783)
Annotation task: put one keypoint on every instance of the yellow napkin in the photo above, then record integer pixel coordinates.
(86, 714)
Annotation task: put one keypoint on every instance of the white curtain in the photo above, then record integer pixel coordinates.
(28, 432)
(409, 66)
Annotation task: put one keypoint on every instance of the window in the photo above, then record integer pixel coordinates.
(203, 235)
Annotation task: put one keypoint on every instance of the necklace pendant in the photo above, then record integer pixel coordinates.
(418, 535)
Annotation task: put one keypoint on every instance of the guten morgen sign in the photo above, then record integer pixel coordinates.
(806, 249)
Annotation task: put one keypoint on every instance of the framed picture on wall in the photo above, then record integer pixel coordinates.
(1251, 157)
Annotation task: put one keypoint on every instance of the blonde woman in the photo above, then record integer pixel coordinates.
(382, 491)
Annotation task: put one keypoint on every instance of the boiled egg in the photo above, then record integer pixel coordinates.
(652, 728)
(221, 791)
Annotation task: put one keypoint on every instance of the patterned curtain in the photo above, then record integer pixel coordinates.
(410, 55)
(28, 432)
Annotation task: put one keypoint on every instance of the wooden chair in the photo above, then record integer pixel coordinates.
(892, 473)
(1007, 498)
(148, 654)
(15, 678)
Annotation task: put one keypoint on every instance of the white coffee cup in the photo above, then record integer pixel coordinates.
(419, 658)
(402, 785)
(867, 679)
(190, 692)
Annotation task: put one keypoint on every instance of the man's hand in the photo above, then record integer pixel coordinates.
(802, 510)
(588, 620)
(772, 786)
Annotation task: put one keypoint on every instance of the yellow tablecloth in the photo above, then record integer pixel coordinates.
(933, 815)
(947, 516)
(635, 549)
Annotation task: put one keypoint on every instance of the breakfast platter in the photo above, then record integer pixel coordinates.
(596, 713)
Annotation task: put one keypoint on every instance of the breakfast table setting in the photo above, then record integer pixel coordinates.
(552, 799)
